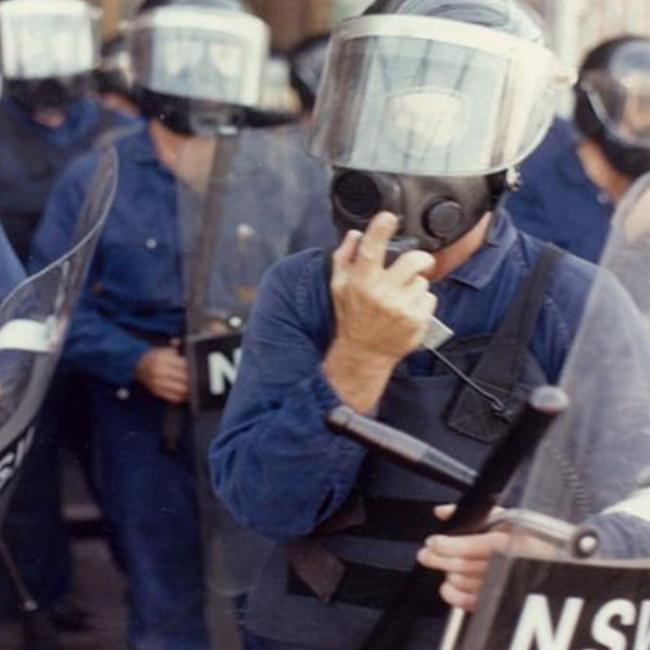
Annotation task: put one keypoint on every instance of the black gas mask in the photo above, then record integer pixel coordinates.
(632, 161)
(56, 94)
(434, 212)
(189, 117)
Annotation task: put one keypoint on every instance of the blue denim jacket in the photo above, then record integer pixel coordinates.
(135, 283)
(282, 472)
(557, 201)
(275, 463)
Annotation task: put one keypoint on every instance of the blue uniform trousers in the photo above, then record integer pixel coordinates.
(34, 527)
(151, 508)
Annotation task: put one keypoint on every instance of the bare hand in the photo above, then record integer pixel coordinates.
(465, 558)
(164, 372)
(381, 312)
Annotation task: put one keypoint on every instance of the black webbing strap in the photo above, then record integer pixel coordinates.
(396, 520)
(502, 363)
(359, 587)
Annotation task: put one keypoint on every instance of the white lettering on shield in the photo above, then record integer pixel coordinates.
(535, 630)
(223, 371)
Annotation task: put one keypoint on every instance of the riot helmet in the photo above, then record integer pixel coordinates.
(613, 102)
(48, 49)
(425, 109)
(197, 64)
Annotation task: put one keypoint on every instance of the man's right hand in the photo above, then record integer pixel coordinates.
(164, 372)
(382, 314)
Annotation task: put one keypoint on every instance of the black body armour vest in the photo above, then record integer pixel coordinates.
(29, 167)
(328, 590)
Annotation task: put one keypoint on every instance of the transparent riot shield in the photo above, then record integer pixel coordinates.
(577, 572)
(242, 200)
(33, 324)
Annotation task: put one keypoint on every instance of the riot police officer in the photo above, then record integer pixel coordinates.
(583, 169)
(196, 63)
(425, 108)
(48, 52)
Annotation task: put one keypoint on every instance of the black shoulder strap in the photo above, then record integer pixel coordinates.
(502, 363)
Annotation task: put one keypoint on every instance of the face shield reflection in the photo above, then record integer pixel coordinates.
(622, 104)
(427, 118)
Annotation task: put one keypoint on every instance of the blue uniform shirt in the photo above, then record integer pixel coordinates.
(275, 464)
(558, 202)
(12, 272)
(135, 283)
(80, 121)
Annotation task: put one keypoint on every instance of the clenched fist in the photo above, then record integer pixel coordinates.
(164, 372)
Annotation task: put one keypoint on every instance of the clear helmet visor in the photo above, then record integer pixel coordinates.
(622, 103)
(429, 96)
(41, 39)
(199, 53)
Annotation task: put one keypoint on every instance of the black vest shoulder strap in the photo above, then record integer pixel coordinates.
(502, 364)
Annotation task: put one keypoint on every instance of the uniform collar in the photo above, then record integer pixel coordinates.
(483, 265)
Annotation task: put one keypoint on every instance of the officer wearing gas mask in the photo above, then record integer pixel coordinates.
(196, 63)
(425, 109)
(572, 183)
(48, 50)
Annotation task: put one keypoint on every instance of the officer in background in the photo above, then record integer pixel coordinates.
(113, 79)
(188, 67)
(48, 50)
(573, 181)
(425, 108)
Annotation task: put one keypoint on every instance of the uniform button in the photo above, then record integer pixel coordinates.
(151, 244)
(123, 394)
(603, 199)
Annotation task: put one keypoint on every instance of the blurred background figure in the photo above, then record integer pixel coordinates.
(278, 104)
(192, 82)
(113, 79)
(307, 60)
(572, 183)
(48, 50)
